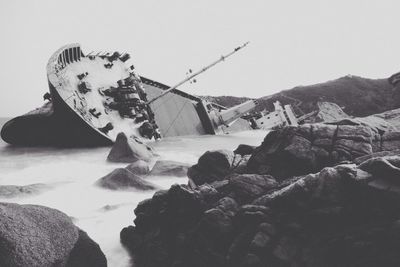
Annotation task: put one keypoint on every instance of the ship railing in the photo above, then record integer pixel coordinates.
(66, 55)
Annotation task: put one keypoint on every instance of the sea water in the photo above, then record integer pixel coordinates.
(72, 173)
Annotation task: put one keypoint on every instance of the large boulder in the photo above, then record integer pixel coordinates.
(130, 149)
(33, 235)
(294, 151)
(123, 179)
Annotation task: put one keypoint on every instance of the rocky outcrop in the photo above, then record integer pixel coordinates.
(294, 151)
(33, 235)
(340, 216)
(10, 191)
(129, 150)
(123, 179)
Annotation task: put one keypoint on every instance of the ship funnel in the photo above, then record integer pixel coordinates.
(226, 117)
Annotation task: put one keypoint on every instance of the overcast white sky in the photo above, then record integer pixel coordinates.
(291, 42)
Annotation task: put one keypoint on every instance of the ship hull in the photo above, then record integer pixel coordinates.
(59, 127)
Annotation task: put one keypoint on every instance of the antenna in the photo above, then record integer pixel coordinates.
(223, 57)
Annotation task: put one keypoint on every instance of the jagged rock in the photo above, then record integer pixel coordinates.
(10, 191)
(212, 166)
(123, 179)
(86, 253)
(129, 150)
(32, 235)
(169, 168)
(295, 151)
(243, 149)
(139, 167)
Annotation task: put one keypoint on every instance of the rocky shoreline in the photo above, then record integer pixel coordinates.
(312, 195)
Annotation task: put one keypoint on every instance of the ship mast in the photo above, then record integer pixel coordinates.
(198, 72)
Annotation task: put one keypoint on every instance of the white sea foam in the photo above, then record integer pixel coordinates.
(73, 173)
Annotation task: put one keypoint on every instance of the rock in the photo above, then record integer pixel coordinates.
(241, 166)
(169, 168)
(244, 150)
(328, 112)
(251, 186)
(392, 117)
(261, 240)
(11, 191)
(139, 167)
(86, 253)
(390, 141)
(251, 260)
(129, 150)
(212, 166)
(388, 168)
(217, 222)
(33, 235)
(123, 179)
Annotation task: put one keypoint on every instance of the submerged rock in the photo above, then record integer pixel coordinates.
(129, 150)
(139, 167)
(11, 191)
(169, 168)
(33, 235)
(123, 179)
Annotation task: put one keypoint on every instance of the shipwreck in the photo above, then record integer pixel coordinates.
(94, 97)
